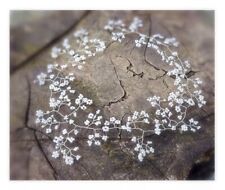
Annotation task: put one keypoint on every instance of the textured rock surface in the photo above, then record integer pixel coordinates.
(31, 31)
(118, 80)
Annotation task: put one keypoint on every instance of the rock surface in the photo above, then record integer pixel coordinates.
(118, 80)
(31, 31)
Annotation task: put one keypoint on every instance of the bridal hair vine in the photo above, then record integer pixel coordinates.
(170, 114)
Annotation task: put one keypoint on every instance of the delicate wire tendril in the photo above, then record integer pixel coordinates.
(67, 105)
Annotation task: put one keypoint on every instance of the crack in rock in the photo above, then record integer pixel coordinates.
(129, 69)
(145, 50)
(165, 84)
(191, 73)
(124, 96)
(26, 124)
(158, 77)
(55, 175)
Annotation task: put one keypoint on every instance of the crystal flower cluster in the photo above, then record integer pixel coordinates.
(87, 48)
(68, 118)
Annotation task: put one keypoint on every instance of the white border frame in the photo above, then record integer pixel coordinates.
(216, 5)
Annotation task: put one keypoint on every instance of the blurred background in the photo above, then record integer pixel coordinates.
(31, 31)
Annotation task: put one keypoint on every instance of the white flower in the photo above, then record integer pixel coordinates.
(191, 120)
(124, 127)
(89, 143)
(140, 157)
(149, 142)
(157, 131)
(134, 117)
(198, 127)
(129, 129)
(153, 104)
(136, 23)
(112, 119)
(143, 113)
(51, 77)
(90, 115)
(77, 101)
(179, 101)
(106, 123)
(190, 102)
(77, 157)
(164, 121)
(80, 67)
(66, 43)
(177, 108)
(177, 81)
(41, 78)
(76, 132)
(80, 96)
(55, 52)
(184, 127)
(179, 117)
(157, 112)
(53, 103)
(64, 66)
(135, 113)
(71, 52)
(97, 135)
(143, 152)
(48, 130)
(137, 43)
(97, 123)
(117, 122)
(134, 139)
(72, 107)
(39, 113)
(105, 128)
(98, 143)
(71, 121)
(174, 53)
(99, 118)
(151, 150)
(89, 102)
(69, 160)
(50, 68)
(87, 122)
(72, 91)
(55, 154)
(64, 131)
(84, 100)
(65, 117)
(70, 139)
(193, 130)
(90, 136)
(83, 107)
(80, 33)
(104, 138)
(76, 148)
(156, 121)
(146, 120)
(171, 104)
(118, 36)
(71, 78)
(173, 128)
